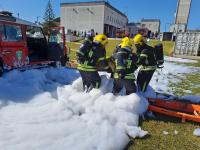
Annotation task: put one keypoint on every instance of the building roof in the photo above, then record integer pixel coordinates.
(131, 24)
(150, 20)
(134, 23)
(28, 23)
(92, 4)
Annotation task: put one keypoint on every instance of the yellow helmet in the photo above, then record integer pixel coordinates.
(101, 38)
(138, 39)
(126, 42)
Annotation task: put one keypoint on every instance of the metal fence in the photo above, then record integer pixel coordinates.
(187, 43)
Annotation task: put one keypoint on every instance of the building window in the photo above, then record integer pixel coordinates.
(90, 10)
(107, 17)
(74, 10)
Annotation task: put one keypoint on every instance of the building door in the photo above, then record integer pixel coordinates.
(106, 29)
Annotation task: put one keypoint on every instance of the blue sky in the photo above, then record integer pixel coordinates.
(134, 9)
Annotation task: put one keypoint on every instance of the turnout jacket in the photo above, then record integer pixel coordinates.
(125, 62)
(84, 50)
(96, 54)
(147, 58)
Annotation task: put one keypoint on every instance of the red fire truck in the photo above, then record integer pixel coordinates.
(122, 32)
(24, 45)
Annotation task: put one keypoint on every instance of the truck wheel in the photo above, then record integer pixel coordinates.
(1, 69)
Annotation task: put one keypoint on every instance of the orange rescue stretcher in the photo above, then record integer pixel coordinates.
(176, 108)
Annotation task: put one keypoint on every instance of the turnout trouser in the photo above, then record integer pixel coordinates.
(143, 79)
(128, 84)
(91, 79)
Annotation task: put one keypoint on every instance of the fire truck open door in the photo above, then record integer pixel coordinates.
(56, 42)
(57, 35)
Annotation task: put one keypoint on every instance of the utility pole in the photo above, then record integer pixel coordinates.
(37, 19)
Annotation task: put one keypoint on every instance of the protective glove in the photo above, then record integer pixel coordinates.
(121, 76)
(121, 73)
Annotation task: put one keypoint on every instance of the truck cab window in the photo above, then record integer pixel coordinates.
(13, 33)
(34, 32)
(55, 36)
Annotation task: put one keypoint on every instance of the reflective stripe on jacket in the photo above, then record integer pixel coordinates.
(129, 76)
(148, 68)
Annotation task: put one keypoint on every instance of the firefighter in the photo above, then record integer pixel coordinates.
(147, 61)
(118, 46)
(87, 63)
(125, 66)
(84, 48)
(82, 53)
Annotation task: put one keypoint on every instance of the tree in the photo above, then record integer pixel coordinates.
(49, 16)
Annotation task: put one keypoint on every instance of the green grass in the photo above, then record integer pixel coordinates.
(167, 46)
(189, 85)
(156, 139)
(194, 64)
(111, 46)
(73, 47)
(183, 140)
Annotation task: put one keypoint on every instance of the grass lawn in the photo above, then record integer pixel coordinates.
(183, 139)
(190, 83)
(167, 46)
(180, 135)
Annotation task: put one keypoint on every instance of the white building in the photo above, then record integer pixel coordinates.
(99, 16)
(181, 16)
(133, 28)
(151, 24)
